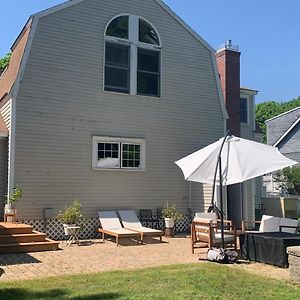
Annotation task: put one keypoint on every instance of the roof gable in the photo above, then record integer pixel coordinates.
(286, 133)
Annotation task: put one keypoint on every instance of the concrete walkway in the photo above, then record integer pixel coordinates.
(96, 256)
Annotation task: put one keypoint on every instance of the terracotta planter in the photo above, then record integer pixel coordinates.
(169, 222)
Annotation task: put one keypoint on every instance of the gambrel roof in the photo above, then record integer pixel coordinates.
(30, 30)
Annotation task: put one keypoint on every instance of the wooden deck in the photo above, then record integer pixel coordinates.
(15, 238)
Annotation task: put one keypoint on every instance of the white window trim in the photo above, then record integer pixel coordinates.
(133, 41)
(106, 139)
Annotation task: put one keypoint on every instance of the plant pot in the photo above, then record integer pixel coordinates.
(67, 230)
(9, 209)
(169, 222)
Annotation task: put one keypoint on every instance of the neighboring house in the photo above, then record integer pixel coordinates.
(242, 199)
(283, 132)
(99, 100)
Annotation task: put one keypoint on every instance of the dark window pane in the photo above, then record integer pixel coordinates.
(116, 79)
(147, 34)
(117, 68)
(137, 148)
(148, 60)
(118, 27)
(100, 154)
(115, 147)
(108, 147)
(116, 55)
(244, 110)
(148, 84)
(106, 157)
(131, 156)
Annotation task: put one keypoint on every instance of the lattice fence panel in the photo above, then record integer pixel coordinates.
(54, 228)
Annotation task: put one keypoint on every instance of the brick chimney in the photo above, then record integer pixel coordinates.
(228, 62)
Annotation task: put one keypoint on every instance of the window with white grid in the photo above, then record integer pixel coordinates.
(118, 153)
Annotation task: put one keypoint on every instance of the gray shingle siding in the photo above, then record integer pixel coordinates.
(277, 126)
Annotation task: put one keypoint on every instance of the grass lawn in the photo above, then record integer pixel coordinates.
(196, 281)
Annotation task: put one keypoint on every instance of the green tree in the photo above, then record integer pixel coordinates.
(289, 178)
(270, 109)
(4, 62)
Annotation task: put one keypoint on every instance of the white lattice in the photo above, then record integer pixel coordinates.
(54, 228)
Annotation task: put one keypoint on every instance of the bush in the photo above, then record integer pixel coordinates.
(289, 178)
(72, 214)
(171, 212)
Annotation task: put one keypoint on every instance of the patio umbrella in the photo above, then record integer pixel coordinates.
(231, 160)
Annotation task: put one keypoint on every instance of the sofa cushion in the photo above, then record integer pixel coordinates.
(269, 224)
(289, 222)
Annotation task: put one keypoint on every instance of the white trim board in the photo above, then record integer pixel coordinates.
(285, 113)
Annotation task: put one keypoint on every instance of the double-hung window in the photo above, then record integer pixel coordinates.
(132, 57)
(118, 153)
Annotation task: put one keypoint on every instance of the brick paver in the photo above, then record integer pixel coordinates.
(96, 256)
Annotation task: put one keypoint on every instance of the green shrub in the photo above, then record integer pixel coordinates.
(72, 214)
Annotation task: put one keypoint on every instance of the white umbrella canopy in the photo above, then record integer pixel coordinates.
(241, 160)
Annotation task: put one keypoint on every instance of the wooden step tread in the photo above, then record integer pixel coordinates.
(22, 238)
(46, 242)
(47, 245)
(22, 234)
(13, 225)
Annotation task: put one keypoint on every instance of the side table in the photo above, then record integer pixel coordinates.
(73, 238)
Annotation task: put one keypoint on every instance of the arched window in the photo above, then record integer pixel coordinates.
(132, 57)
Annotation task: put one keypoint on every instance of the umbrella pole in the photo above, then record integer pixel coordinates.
(221, 203)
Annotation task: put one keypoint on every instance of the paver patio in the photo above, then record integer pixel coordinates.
(96, 256)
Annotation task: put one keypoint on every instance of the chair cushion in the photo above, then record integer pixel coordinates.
(203, 228)
(203, 215)
(227, 237)
(289, 222)
(269, 224)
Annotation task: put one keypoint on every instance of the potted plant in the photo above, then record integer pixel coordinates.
(71, 216)
(171, 215)
(12, 199)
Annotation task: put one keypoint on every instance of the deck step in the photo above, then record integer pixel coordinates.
(12, 228)
(47, 245)
(22, 238)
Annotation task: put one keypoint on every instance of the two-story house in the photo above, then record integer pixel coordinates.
(99, 100)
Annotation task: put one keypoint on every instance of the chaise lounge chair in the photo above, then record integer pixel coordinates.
(132, 222)
(111, 225)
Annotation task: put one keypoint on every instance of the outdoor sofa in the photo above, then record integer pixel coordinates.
(274, 224)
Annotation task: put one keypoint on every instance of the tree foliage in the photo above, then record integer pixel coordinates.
(4, 62)
(270, 109)
(289, 178)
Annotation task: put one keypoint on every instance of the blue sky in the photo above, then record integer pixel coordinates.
(267, 32)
